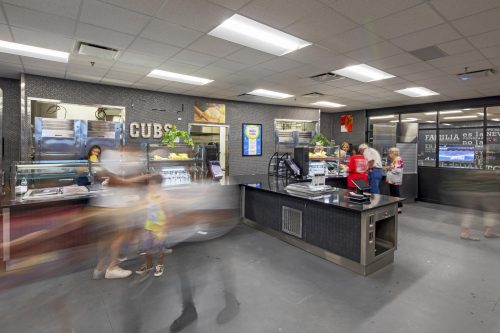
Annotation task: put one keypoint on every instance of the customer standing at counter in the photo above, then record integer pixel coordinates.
(375, 171)
(395, 174)
(94, 154)
(357, 168)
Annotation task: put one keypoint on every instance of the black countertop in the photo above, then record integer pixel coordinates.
(339, 198)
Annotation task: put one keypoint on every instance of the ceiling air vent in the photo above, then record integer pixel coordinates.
(313, 95)
(326, 77)
(97, 51)
(429, 53)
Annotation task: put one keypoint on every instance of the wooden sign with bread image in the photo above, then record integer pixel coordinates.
(209, 113)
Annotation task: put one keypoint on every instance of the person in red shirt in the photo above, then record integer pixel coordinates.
(357, 169)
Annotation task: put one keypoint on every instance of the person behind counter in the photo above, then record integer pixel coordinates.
(94, 154)
(357, 169)
(344, 149)
(375, 171)
(395, 174)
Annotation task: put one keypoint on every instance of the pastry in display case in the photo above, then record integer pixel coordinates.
(328, 159)
(178, 165)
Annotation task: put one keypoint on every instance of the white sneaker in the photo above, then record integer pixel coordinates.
(117, 273)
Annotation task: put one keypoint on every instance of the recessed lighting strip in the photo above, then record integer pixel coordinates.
(417, 92)
(328, 104)
(363, 73)
(171, 76)
(269, 94)
(383, 117)
(33, 51)
(460, 117)
(244, 31)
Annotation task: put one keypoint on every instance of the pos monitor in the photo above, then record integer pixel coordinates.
(361, 186)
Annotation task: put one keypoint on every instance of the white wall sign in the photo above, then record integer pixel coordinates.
(148, 130)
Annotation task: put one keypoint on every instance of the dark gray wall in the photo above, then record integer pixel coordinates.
(139, 105)
(330, 126)
(11, 122)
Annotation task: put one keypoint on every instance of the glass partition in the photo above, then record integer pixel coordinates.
(471, 117)
(493, 116)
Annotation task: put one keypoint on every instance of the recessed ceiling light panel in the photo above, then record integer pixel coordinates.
(33, 51)
(244, 31)
(363, 73)
(460, 117)
(444, 112)
(416, 92)
(269, 94)
(328, 104)
(170, 76)
(383, 117)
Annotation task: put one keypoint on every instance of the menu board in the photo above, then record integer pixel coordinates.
(252, 139)
(493, 148)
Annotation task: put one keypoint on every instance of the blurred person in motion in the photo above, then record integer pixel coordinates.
(395, 174)
(479, 193)
(375, 171)
(155, 228)
(357, 168)
(120, 209)
(94, 154)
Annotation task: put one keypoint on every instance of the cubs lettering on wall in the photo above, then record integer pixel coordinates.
(148, 130)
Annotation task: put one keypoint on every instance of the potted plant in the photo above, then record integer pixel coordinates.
(174, 136)
(320, 140)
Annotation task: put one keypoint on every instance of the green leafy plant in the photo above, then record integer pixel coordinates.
(320, 139)
(169, 137)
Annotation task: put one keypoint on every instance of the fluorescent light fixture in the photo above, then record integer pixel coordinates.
(202, 232)
(48, 100)
(241, 30)
(480, 113)
(394, 121)
(170, 76)
(33, 51)
(445, 124)
(409, 120)
(383, 117)
(363, 73)
(444, 112)
(269, 94)
(416, 92)
(430, 121)
(495, 119)
(460, 117)
(328, 104)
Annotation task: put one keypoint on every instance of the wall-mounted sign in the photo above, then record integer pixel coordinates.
(148, 130)
(209, 113)
(252, 139)
(346, 123)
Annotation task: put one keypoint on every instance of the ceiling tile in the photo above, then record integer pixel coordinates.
(280, 13)
(115, 82)
(417, 67)
(100, 36)
(456, 46)
(83, 60)
(394, 61)
(10, 59)
(471, 66)
(407, 21)
(117, 75)
(66, 8)
(136, 58)
(250, 56)
(487, 39)
(320, 25)
(200, 15)
(491, 52)
(129, 68)
(495, 61)
(214, 46)
(453, 9)
(229, 65)
(178, 67)
(375, 52)
(43, 64)
(26, 18)
(43, 39)
(321, 58)
(149, 7)
(112, 17)
(350, 40)
(280, 64)
(150, 83)
(460, 59)
(44, 72)
(423, 75)
(5, 32)
(367, 11)
(306, 71)
(212, 73)
(231, 4)
(149, 47)
(173, 90)
(427, 37)
(193, 58)
(77, 69)
(479, 23)
(174, 34)
(82, 77)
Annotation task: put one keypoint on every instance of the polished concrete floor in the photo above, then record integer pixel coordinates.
(438, 283)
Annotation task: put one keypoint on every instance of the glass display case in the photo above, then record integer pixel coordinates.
(330, 159)
(49, 179)
(178, 165)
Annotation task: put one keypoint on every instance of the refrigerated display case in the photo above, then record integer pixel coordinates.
(329, 159)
